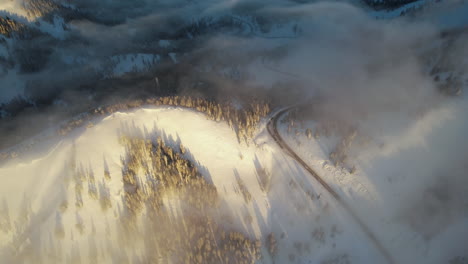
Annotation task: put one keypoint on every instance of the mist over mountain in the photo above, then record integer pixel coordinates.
(63, 56)
(377, 97)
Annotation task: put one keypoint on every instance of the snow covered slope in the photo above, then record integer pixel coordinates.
(409, 186)
(263, 194)
(124, 189)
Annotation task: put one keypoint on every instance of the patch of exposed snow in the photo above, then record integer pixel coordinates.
(133, 63)
(164, 43)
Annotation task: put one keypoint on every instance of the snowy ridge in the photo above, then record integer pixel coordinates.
(234, 169)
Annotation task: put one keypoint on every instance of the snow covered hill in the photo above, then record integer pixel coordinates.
(67, 202)
(381, 94)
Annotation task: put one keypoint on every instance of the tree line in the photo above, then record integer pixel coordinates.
(243, 119)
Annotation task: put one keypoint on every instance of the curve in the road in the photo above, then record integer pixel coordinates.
(273, 131)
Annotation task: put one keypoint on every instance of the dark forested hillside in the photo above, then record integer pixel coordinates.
(387, 4)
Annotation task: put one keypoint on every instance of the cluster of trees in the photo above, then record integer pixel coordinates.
(445, 62)
(242, 119)
(409, 10)
(31, 51)
(78, 178)
(327, 128)
(242, 189)
(241, 249)
(9, 27)
(196, 238)
(99, 192)
(264, 179)
(340, 154)
(39, 8)
(319, 235)
(272, 244)
(165, 169)
(387, 4)
(153, 171)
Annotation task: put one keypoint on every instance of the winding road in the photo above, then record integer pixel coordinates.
(272, 127)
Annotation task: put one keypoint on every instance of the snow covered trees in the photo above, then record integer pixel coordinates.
(242, 118)
(155, 171)
(39, 8)
(9, 27)
(272, 244)
(166, 170)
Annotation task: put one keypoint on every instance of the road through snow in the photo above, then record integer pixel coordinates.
(273, 131)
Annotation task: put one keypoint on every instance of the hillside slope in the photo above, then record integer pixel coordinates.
(76, 203)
